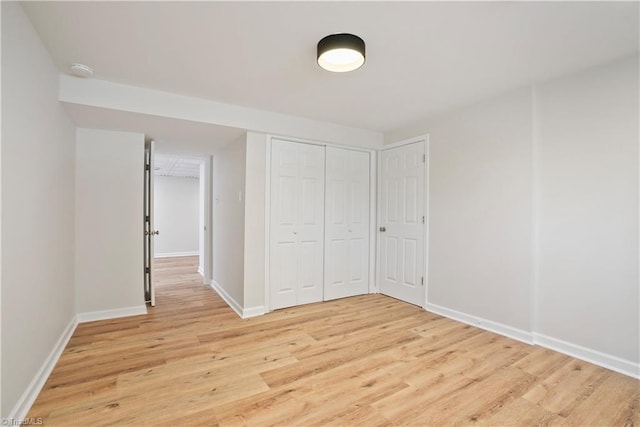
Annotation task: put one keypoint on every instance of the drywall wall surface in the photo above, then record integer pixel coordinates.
(582, 178)
(115, 96)
(228, 219)
(588, 209)
(254, 237)
(480, 210)
(176, 215)
(203, 226)
(109, 220)
(37, 207)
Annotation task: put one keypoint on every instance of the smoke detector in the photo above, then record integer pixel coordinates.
(81, 70)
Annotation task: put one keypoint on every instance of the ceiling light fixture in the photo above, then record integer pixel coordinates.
(81, 70)
(341, 52)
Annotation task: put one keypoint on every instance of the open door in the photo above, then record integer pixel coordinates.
(401, 219)
(149, 232)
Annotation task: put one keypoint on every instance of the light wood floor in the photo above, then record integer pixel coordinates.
(367, 360)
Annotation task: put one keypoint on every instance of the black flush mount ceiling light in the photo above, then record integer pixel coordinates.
(341, 52)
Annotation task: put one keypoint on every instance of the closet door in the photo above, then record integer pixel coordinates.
(297, 223)
(346, 223)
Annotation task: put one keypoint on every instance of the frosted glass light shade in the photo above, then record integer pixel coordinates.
(341, 52)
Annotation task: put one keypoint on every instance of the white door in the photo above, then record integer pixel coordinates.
(401, 222)
(149, 232)
(346, 223)
(297, 224)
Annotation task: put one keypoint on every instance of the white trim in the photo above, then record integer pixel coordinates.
(376, 228)
(419, 138)
(22, 407)
(267, 225)
(92, 316)
(427, 153)
(373, 222)
(625, 367)
(175, 254)
(479, 322)
(232, 303)
(253, 312)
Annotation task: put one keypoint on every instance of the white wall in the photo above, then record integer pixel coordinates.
(228, 219)
(115, 96)
(109, 220)
(254, 236)
(176, 215)
(37, 207)
(588, 209)
(480, 210)
(533, 213)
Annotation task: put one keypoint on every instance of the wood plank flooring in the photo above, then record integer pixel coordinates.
(363, 361)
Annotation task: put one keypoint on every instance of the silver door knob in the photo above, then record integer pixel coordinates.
(383, 228)
(156, 232)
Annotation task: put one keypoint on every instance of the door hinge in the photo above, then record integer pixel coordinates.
(423, 219)
(146, 270)
(424, 158)
(146, 218)
(147, 167)
(422, 281)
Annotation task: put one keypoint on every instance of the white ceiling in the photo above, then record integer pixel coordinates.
(422, 57)
(177, 166)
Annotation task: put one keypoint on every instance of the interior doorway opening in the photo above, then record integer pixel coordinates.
(179, 217)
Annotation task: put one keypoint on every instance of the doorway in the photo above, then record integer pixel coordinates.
(177, 213)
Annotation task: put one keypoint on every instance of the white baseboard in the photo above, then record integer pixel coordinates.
(253, 312)
(242, 312)
(489, 325)
(175, 254)
(613, 363)
(226, 297)
(607, 361)
(111, 314)
(20, 411)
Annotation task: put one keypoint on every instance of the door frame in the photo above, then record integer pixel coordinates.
(373, 167)
(205, 231)
(148, 225)
(425, 238)
(205, 202)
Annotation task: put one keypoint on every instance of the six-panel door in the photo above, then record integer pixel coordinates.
(401, 217)
(346, 223)
(297, 223)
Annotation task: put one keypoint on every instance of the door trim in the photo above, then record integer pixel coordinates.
(373, 185)
(425, 238)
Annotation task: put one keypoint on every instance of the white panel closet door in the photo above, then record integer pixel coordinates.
(346, 223)
(401, 223)
(297, 224)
